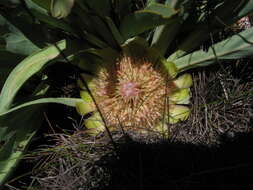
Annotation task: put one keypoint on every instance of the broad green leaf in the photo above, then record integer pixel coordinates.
(116, 34)
(149, 2)
(236, 47)
(164, 10)
(140, 21)
(66, 101)
(190, 43)
(43, 3)
(135, 47)
(27, 68)
(174, 3)
(7, 62)
(15, 41)
(164, 35)
(37, 5)
(103, 31)
(101, 7)
(139, 47)
(81, 19)
(122, 8)
(53, 22)
(92, 60)
(16, 131)
(92, 39)
(247, 8)
(93, 24)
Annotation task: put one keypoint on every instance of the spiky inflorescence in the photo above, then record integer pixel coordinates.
(132, 93)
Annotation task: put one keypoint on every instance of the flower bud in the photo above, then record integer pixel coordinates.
(184, 81)
(178, 113)
(61, 8)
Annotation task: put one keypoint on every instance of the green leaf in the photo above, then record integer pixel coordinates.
(139, 47)
(65, 101)
(92, 39)
(93, 23)
(18, 43)
(45, 4)
(140, 21)
(236, 47)
(115, 31)
(165, 10)
(53, 22)
(16, 131)
(7, 62)
(247, 8)
(36, 5)
(103, 31)
(92, 60)
(100, 7)
(122, 8)
(15, 41)
(164, 36)
(27, 68)
(149, 2)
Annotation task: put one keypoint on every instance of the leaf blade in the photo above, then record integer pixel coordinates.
(25, 70)
(140, 21)
(22, 126)
(238, 46)
(65, 101)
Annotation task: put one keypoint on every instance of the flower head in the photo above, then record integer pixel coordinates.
(133, 93)
(137, 90)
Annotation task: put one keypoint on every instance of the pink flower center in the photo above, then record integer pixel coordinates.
(129, 89)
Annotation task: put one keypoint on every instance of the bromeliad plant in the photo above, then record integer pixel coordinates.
(132, 55)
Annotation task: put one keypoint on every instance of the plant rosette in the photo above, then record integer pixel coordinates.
(138, 90)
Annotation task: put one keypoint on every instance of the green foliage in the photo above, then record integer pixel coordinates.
(45, 4)
(14, 39)
(236, 47)
(16, 131)
(7, 62)
(27, 68)
(18, 127)
(143, 20)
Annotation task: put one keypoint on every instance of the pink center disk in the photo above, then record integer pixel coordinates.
(129, 89)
